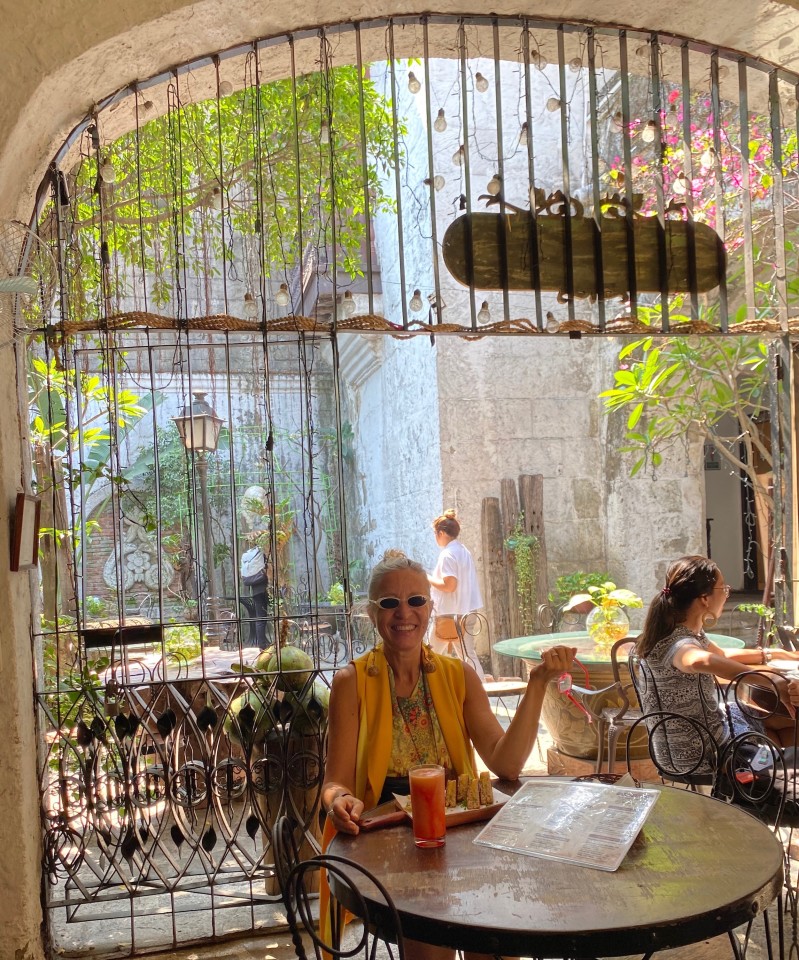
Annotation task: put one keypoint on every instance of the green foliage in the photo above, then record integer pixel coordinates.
(250, 165)
(677, 384)
(525, 549)
(95, 607)
(606, 595)
(570, 584)
(335, 594)
(766, 614)
(72, 410)
(183, 641)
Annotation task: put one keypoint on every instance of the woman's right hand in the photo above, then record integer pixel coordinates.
(345, 812)
(554, 662)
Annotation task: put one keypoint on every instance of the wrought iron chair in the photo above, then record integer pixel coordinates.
(755, 773)
(765, 784)
(298, 880)
(611, 710)
(682, 749)
(381, 930)
(646, 689)
(789, 637)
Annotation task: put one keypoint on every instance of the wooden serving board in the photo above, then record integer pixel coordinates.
(457, 815)
(494, 251)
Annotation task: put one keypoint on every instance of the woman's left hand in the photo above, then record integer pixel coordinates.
(554, 662)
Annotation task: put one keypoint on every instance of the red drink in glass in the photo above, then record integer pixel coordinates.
(427, 805)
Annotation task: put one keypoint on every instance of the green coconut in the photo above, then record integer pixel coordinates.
(308, 709)
(295, 668)
(248, 720)
(261, 663)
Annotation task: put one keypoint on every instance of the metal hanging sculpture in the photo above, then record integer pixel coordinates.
(575, 255)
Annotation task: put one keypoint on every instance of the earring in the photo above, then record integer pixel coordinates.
(372, 669)
(428, 663)
(709, 621)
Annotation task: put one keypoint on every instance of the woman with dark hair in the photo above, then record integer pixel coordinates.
(683, 661)
(455, 591)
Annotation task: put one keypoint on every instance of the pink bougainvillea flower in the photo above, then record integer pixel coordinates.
(674, 96)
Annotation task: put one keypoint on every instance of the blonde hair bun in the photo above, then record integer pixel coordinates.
(450, 514)
(394, 553)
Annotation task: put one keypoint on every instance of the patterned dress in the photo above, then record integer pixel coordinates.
(693, 695)
(416, 735)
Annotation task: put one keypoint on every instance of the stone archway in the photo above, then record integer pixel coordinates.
(58, 62)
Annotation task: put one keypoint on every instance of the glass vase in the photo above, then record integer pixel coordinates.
(606, 625)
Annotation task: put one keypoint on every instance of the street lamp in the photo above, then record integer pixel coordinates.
(198, 427)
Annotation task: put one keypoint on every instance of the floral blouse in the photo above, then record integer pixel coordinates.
(416, 734)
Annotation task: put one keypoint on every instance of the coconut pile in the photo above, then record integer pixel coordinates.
(283, 693)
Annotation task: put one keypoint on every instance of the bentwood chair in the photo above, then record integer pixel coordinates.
(378, 935)
(682, 749)
(299, 883)
(610, 709)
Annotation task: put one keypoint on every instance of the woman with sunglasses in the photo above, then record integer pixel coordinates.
(401, 704)
(683, 661)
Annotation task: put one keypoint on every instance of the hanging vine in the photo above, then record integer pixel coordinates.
(526, 549)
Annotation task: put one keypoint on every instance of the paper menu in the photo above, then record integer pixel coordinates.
(589, 824)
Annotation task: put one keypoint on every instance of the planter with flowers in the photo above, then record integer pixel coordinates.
(607, 622)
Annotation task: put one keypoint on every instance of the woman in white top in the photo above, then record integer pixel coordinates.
(455, 592)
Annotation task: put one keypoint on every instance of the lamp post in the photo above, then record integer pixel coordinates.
(198, 426)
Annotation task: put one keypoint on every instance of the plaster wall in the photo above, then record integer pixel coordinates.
(397, 458)
(61, 58)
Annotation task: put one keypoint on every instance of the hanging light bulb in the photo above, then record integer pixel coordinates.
(107, 172)
(480, 83)
(324, 132)
(523, 135)
(148, 106)
(348, 304)
(413, 84)
(484, 314)
(282, 296)
(225, 88)
(554, 104)
(215, 201)
(440, 123)
(250, 306)
(459, 156)
(575, 64)
(708, 157)
(617, 122)
(438, 182)
(642, 52)
(552, 325)
(681, 184)
(416, 301)
(649, 132)
(539, 60)
(724, 71)
(494, 185)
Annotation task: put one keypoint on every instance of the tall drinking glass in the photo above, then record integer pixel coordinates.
(427, 803)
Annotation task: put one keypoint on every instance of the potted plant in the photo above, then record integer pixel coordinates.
(570, 585)
(607, 622)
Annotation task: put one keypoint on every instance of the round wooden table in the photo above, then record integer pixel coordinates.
(699, 868)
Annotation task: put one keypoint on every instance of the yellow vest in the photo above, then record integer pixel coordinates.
(447, 686)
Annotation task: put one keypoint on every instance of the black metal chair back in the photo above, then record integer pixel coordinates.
(760, 783)
(287, 856)
(682, 749)
(788, 636)
(651, 702)
(381, 930)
